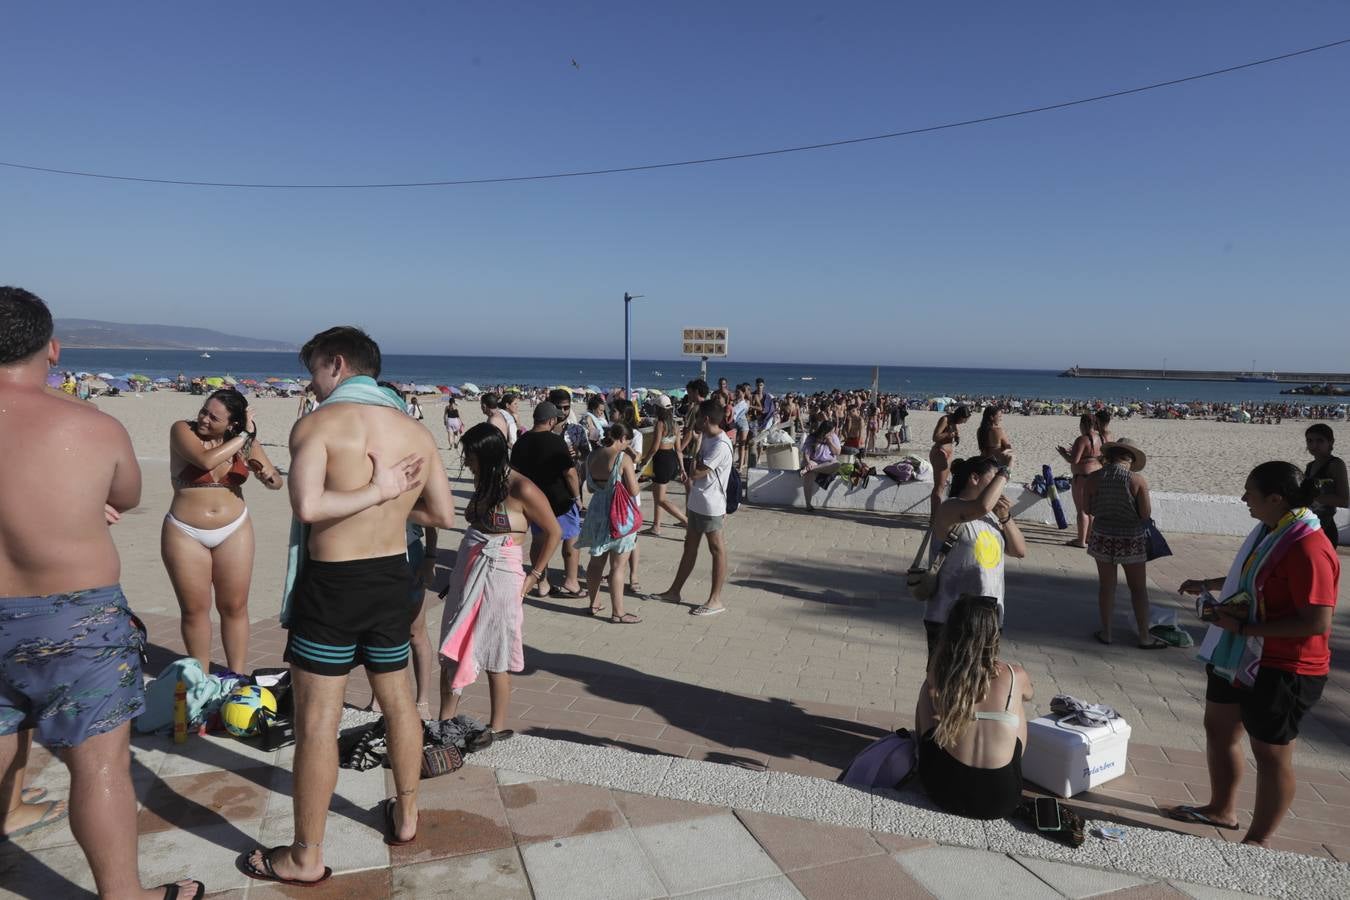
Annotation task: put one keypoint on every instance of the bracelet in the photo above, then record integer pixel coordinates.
(536, 575)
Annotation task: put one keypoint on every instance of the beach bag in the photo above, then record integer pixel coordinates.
(887, 762)
(923, 580)
(1157, 544)
(900, 473)
(734, 488)
(625, 516)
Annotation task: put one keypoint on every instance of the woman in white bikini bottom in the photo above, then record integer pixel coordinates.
(210, 538)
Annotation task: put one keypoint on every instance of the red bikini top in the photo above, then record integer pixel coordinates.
(194, 476)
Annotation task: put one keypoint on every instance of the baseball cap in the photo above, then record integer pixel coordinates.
(545, 411)
(663, 401)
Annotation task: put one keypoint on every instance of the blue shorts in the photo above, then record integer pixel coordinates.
(70, 665)
(570, 522)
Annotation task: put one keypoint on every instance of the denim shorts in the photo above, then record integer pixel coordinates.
(70, 665)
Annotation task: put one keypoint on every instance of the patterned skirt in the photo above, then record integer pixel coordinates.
(1119, 549)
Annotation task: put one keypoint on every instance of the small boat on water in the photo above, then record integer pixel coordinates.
(205, 356)
(656, 373)
(808, 378)
(1262, 377)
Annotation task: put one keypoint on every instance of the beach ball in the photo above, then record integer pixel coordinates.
(244, 707)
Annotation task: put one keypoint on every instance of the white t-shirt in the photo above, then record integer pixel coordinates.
(636, 443)
(708, 496)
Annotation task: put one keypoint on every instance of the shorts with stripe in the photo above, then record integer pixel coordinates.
(352, 612)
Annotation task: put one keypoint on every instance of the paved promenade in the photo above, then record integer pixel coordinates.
(819, 653)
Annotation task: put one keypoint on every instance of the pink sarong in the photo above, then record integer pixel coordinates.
(483, 609)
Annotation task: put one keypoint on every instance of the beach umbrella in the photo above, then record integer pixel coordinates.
(162, 380)
(469, 387)
(106, 375)
(593, 389)
(272, 379)
(676, 393)
(120, 383)
(248, 381)
(97, 384)
(55, 380)
(214, 381)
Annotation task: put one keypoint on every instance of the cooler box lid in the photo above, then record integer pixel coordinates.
(1048, 732)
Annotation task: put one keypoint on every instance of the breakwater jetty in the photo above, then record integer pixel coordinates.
(1203, 375)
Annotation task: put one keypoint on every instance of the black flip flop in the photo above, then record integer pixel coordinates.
(267, 873)
(391, 827)
(174, 892)
(1193, 816)
(568, 595)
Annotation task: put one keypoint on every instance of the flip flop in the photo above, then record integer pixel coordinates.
(570, 595)
(173, 892)
(33, 795)
(1074, 543)
(1100, 639)
(1194, 816)
(625, 619)
(267, 873)
(707, 610)
(391, 827)
(1155, 644)
(47, 818)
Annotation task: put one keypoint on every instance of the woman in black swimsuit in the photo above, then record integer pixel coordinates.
(665, 460)
(1325, 478)
(970, 718)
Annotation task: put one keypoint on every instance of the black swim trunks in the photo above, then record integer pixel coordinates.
(351, 612)
(1273, 706)
(70, 665)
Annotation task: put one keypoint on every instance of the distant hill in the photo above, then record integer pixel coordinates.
(90, 334)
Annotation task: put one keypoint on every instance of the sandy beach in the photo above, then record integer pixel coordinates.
(1193, 456)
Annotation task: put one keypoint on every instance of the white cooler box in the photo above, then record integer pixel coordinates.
(782, 456)
(1068, 759)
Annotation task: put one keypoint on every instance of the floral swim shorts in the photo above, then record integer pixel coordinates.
(70, 665)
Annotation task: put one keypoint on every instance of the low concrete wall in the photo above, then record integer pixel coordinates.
(1174, 513)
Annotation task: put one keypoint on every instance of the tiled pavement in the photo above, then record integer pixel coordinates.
(496, 834)
(816, 655)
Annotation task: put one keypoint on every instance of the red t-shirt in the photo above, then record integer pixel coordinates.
(1308, 575)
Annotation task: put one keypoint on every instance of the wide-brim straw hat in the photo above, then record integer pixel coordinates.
(1129, 446)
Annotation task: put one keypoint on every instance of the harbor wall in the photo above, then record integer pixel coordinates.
(1292, 379)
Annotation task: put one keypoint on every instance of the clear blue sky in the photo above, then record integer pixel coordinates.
(1206, 223)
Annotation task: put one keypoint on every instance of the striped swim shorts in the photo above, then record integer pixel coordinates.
(352, 612)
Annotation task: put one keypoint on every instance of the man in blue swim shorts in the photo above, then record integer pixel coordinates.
(70, 669)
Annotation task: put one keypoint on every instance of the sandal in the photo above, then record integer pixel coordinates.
(707, 610)
(48, 817)
(267, 873)
(391, 827)
(570, 595)
(172, 891)
(625, 619)
(597, 611)
(1194, 816)
(33, 795)
(1155, 644)
(486, 738)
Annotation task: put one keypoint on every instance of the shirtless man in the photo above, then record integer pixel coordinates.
(491, 405)
(853, 428)
(70, 667)
(360, 469)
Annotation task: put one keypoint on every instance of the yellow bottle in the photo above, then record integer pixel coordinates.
(180, 713)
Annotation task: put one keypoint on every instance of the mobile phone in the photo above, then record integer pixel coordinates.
(1047, 814)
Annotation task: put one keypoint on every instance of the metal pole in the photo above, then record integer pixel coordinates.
(627, 356)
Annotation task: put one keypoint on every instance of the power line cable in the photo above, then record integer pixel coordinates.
(705, 160)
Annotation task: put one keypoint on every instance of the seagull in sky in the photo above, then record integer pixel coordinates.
(576, 65)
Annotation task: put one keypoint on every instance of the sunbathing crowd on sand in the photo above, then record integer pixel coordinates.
(368, 494)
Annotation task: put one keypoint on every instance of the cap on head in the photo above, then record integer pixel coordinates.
(545, 412)
(663, 401)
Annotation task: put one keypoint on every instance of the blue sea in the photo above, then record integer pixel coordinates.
(914, 382)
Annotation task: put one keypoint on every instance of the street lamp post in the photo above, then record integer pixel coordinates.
(627, 353)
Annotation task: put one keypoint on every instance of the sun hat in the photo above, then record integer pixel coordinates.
(1130, 447)
(663, 401)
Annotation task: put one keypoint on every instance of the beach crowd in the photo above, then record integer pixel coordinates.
(369, 494)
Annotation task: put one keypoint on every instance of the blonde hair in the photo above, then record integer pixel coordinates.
(964, 665)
